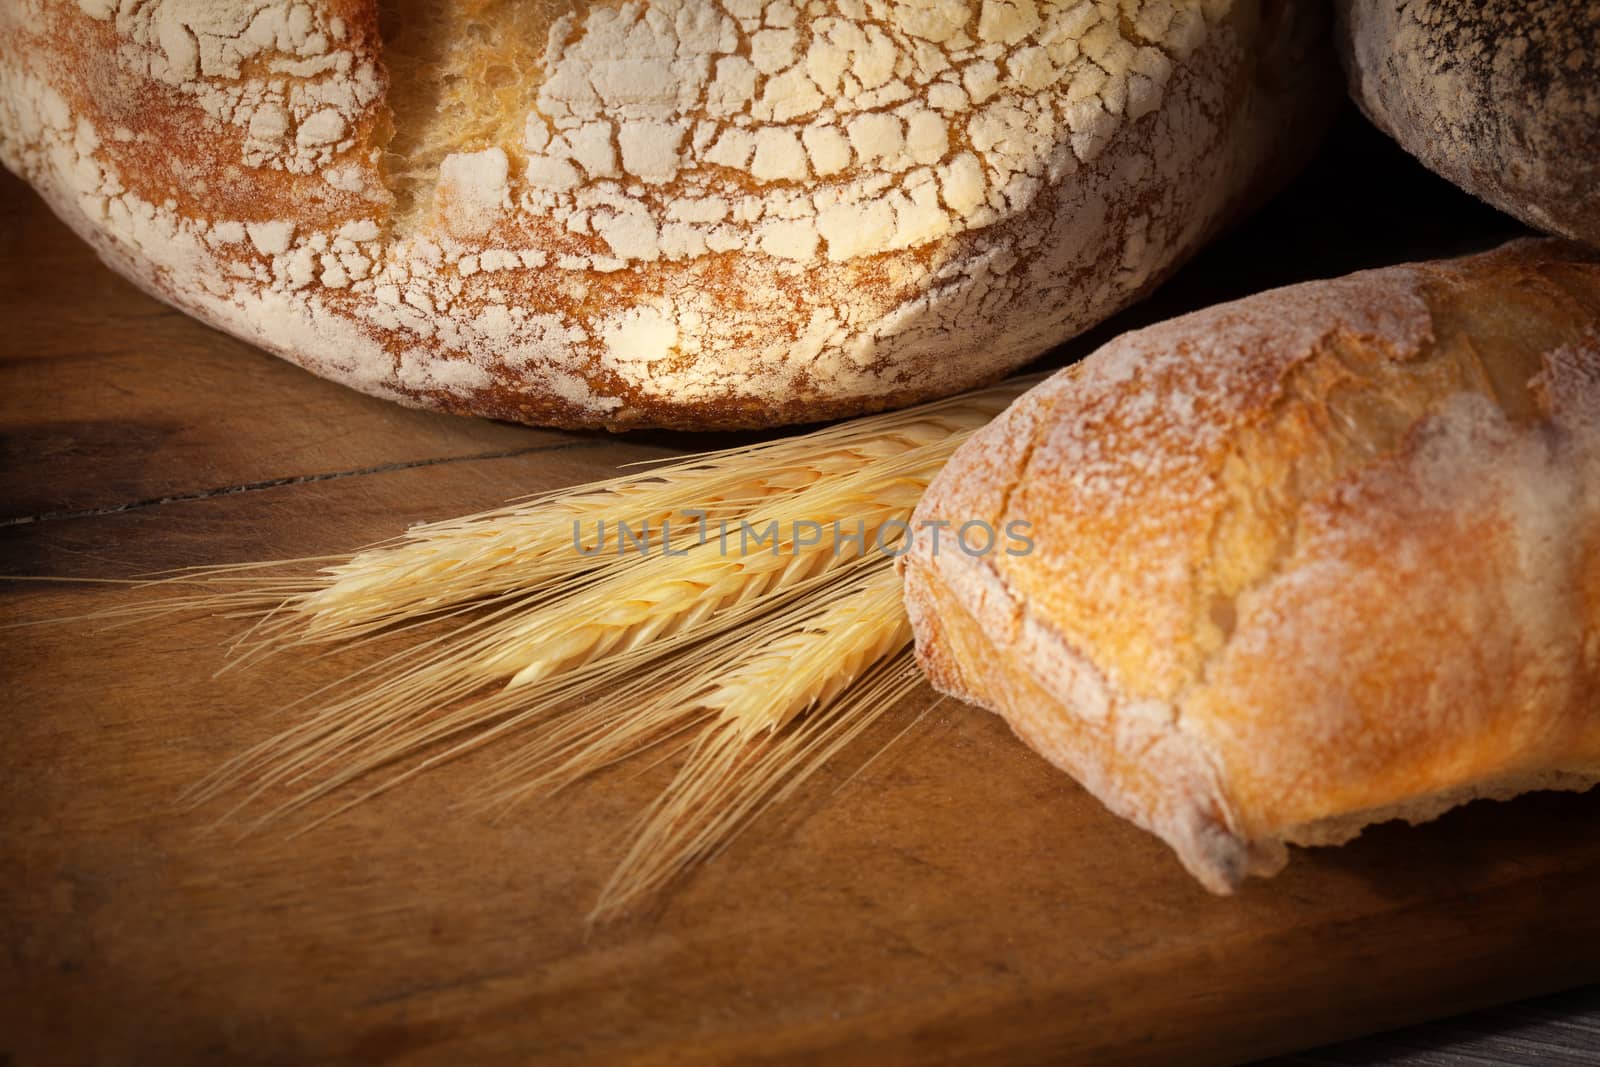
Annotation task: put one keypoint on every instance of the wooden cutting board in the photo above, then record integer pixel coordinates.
(957, 899)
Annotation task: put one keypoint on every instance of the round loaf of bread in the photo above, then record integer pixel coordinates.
(1273, 571)
(1501, 97)
(686, 213)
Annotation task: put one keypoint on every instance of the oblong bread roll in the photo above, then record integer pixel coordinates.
(676, 213)
(1322, 557)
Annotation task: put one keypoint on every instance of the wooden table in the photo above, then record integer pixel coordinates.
(959, 900)
(1556, 1031)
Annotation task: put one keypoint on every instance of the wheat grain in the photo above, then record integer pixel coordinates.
(531, 544)
(760, 665)
(657, 602)
(816, 659)
(649, 603)
(657, 605)
(850, 618)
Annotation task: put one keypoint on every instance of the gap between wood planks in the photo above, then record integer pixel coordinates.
(293, 479)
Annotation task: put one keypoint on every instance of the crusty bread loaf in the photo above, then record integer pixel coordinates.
(1501, 97)
(1321, 557)
(691, 213)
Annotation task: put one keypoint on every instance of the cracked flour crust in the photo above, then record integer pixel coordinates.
(674, 213)
(1319, 558)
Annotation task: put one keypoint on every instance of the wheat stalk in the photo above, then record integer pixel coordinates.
(758, 665)
(657, 605)
(815, 659)
(831, 654)
(529, 544)
(663, 597)
(730, 779)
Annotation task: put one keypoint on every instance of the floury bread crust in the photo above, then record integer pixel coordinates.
(1322, 557)
(1501, 97)
(675, 213)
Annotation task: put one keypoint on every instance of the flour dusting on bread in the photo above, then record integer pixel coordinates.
(669, 212)
(1325, 555)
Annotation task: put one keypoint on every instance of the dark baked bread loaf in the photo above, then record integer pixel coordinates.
(1318, 558)
(1502, 97)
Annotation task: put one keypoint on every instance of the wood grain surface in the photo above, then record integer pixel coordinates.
(1556, 1031)
(957, 900)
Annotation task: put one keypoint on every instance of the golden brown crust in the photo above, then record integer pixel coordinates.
(1321, 556)
(671, 214)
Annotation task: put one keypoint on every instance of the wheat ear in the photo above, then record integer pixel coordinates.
(759, 666)
(654, 606)
(528, 545)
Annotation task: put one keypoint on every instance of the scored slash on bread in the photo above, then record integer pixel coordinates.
(1318, 558)
(674, 213)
